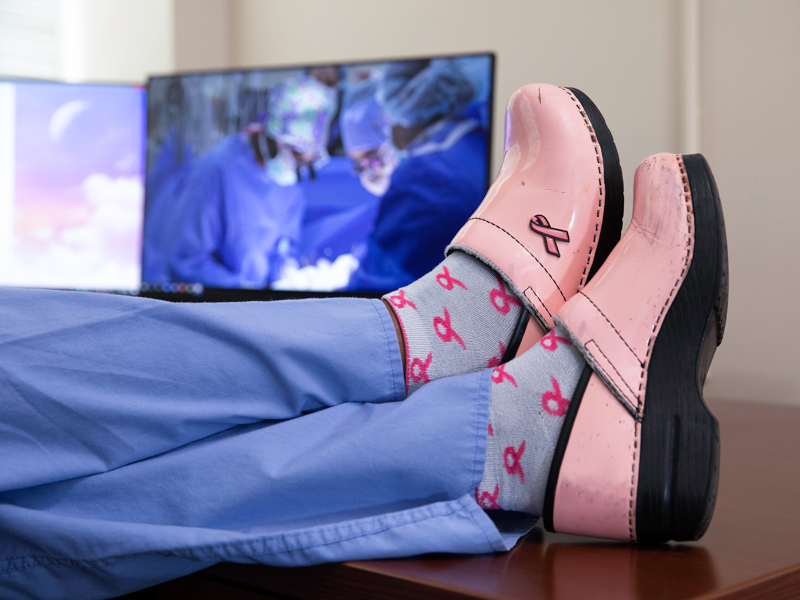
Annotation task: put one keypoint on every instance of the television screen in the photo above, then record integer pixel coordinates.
(342, 178)
(71, 185)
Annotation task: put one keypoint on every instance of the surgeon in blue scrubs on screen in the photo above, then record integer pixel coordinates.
(367, 138)
(441, 175)
(239, 216)
(338, 210)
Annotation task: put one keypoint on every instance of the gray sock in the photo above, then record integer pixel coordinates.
(457, 319)
(528, 401)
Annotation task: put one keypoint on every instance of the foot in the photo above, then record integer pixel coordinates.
(459, 318)
(546, 225)
(638, 456)
(554, 212)
(528, 400)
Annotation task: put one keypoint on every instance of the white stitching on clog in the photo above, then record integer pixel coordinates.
(600, 180)
(687, 259)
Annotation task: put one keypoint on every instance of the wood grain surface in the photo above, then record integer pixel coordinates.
(751, 549)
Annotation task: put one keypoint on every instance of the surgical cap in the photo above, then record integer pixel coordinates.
(363, 123)
(417, 92)
(478, 70)
(300, 110)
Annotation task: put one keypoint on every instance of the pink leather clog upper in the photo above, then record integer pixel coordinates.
(540, 221)
(615, 321)
(617, 317)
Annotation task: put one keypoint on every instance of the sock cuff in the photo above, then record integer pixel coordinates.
(407, 358)
(454, 320)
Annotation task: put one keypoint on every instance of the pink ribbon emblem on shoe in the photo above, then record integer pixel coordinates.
(449, 333)
(540, 225)
(555, 396)
(551, 340)
(515, 455)
(419, 369)
(399, 300)
(506, 299)
(487, 500)
(499, 375)
(447, 281)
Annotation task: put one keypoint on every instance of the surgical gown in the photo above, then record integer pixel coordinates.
(339, 211)
(230, 218)
(432, 194)
(144, 440)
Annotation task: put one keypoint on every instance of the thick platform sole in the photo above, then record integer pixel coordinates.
(673, 485)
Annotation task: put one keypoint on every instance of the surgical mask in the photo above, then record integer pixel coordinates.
(376, 171)
(282, 169)
(376, 183)
(285, 169)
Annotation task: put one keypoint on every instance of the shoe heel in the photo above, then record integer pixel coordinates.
(591, 486)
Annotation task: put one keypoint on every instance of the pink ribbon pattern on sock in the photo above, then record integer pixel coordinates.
(449, 333)
(507, 299)
(399, 300)
(551, 340)
(487, 500)
(447, 281)
(419, 369)
(515, 466)
(495, 361)
(499, 375)
(555, 396)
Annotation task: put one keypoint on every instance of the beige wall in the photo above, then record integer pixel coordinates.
(750, 131)
(116, 40)
(128, 40)
(202, 34)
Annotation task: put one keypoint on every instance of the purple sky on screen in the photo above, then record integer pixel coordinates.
(79, 182)
(65, 133)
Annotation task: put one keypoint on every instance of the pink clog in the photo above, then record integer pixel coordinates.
(638, 456)
(554, 212)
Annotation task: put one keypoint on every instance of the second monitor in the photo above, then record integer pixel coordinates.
(336, 178)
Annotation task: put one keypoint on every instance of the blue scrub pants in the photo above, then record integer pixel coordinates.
(142, 440)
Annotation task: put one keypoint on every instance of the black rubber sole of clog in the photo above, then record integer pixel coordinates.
(614, 200)
(679, 461)
(611, 229)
